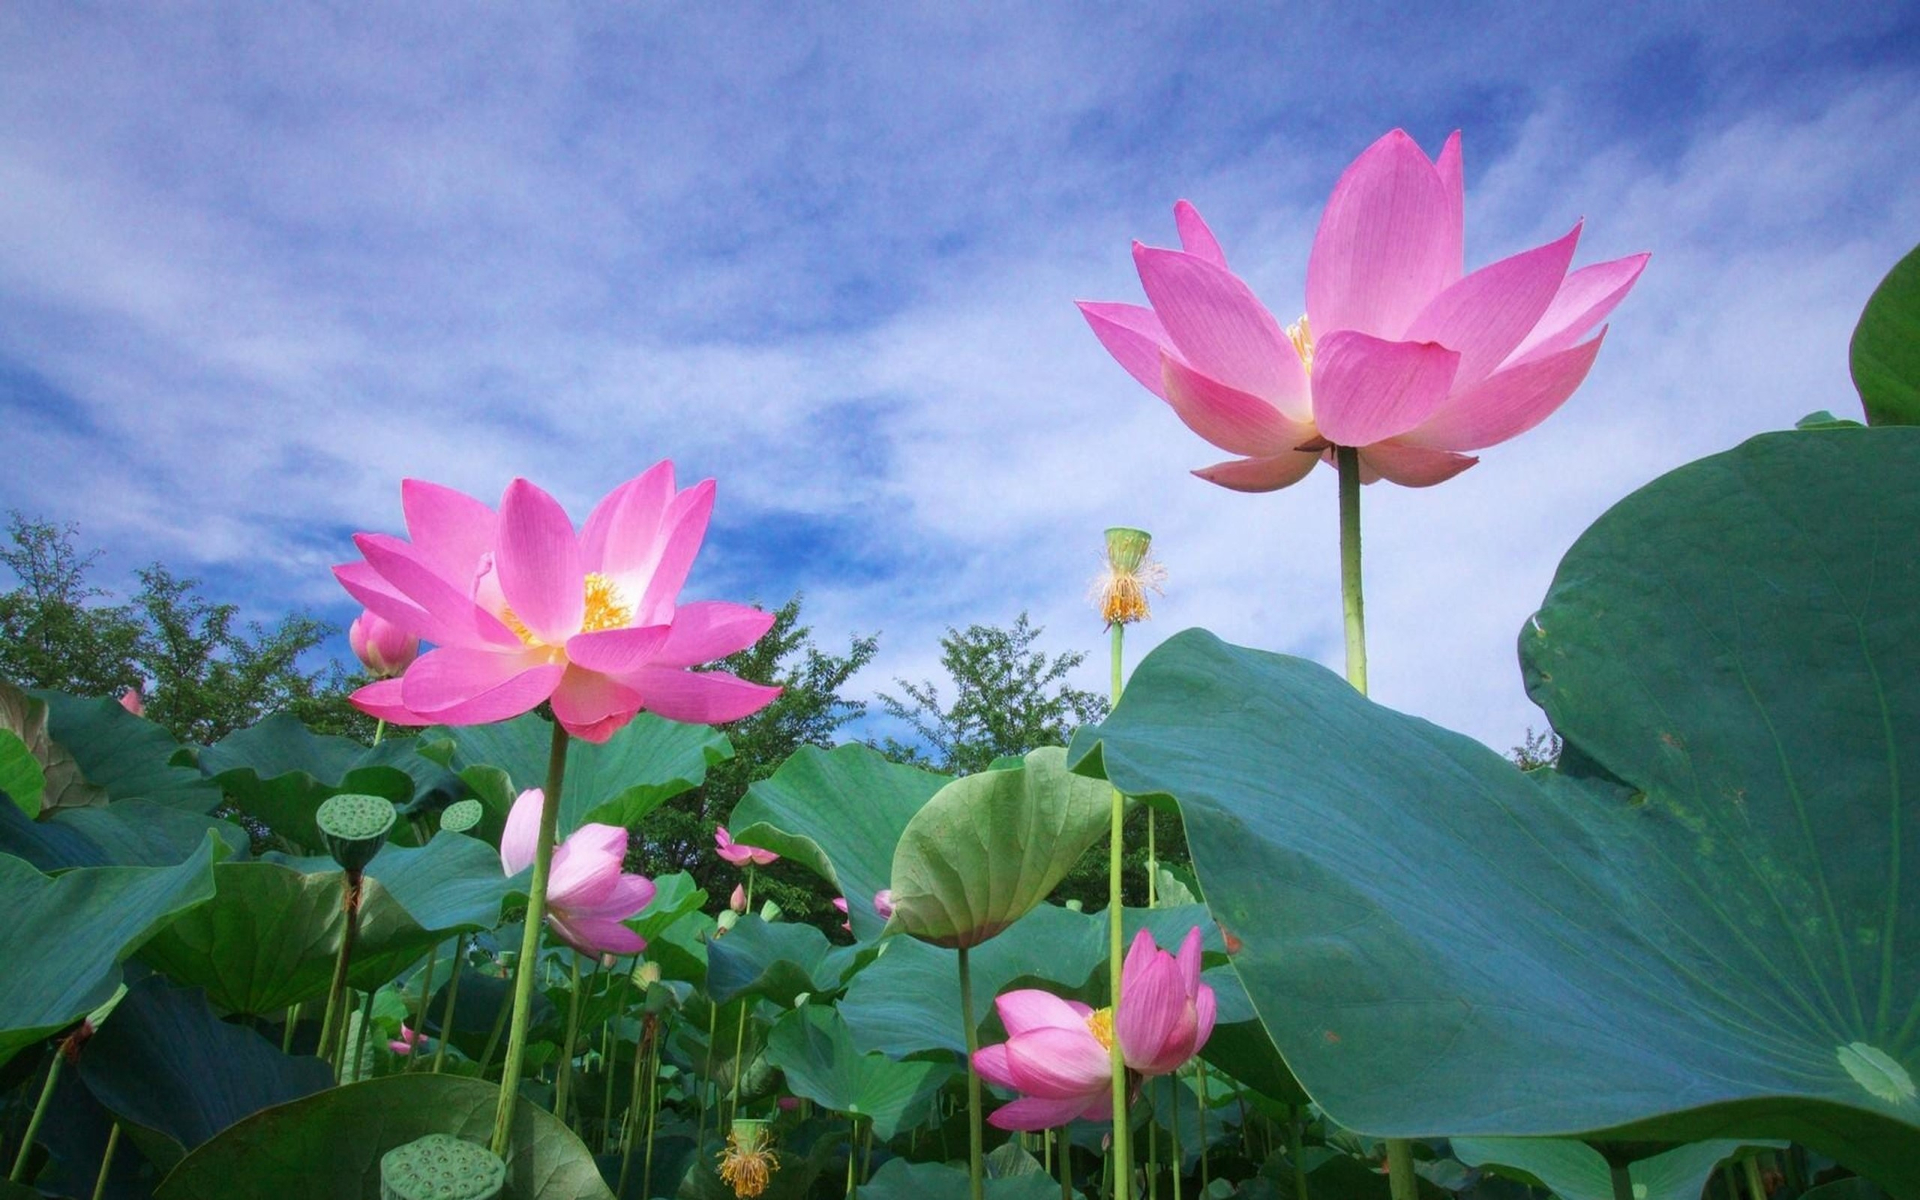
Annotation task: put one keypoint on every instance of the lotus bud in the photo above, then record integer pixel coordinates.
(355, 827)
(130, 700)
(441, 1167)
(606, 960)
(748, 1162)
(1120, 590)
(382, 647)
(738, 901)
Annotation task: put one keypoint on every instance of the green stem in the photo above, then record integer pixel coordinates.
(1755, 1184)
(39, 1114)
(1295, 1151)
(286, 1035)
(342, 959)
(106, 1162)
(1066, 1164)
(564, 1088)
(360, 1042)
(706, 1084)
(1622, 1182)
(1179, 1162)
(853, 1150)
(379, 728)
(1153, 864)
(653, 1115)
(1206, 1099)
(1153, 1160)
(493, 1035)
(1116, 940)
(633, 1102)
(976, 1166)
(453, 997)
(612, 1042)
(426, 995)
(1353, 608)
(530, 944)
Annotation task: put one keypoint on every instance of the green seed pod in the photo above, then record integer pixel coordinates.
(458, 818)
(441, 1167)
(355, 828)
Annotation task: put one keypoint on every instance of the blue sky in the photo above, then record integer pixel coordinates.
(258, 263)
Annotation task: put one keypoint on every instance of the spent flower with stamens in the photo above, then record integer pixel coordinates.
(748, 1162)
(1120, 590)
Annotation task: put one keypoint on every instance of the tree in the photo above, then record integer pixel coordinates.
(1009, 698)
(56, 630)
(1540, 749)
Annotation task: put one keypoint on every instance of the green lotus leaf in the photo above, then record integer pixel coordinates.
(987, 848)
(35, 770)
(1694, 929)
(1885, 354)
(1576, 1171)
(128, 833)
(839, 813)
(642, 766)
(812, 1046)
(779, 961)
(328, 1145)
(129, 757)
(76, 928)
(898, 1179)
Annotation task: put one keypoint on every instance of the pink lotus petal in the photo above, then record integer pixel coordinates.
(1154, 1011)
(1366, 390)
(1261, 474)
(376, 595)
(382, 701)
(586, 867)
(1221, 329)
(883, 903)
(1583, 301)
(991, 1062)
(441, 613)
(617, 651)
(710, 629)
(1507, 403)
(131, 701)
(621, 539)
(1188, 961)
(628, 896)
(1411, 466)
(1031, 1113)
(596, 935)
(1206, 1007)
(452, 531)
(1233, 420)
(699, 697)
(1027, 1009)
(1134, 336)
(521, 838)
(1058, 1063)
(1195, 238)
(682, 529)
(1451, 169)
(1388, 242)
(592, 706)
(538, 558)
(461, 686)
(1484, 316)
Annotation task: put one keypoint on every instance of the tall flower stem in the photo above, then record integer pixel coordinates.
(641, 1053)
(976, 1139)
(40, 1114)
(1116, 940)
(740, 1031)
(106, 1162)
(453, 997)
(1353, 610)
(530, 944)
(335, 1022)
(426, 996)
(499, 1023)
(564, 1088)
(286, 1034)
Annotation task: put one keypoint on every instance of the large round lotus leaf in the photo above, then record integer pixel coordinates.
(987, 848)
(1576, 1171)
(616, 782)
(270, 937)
(126, 833)
(67, 935)
(839, 813)
(128, 757)
(778, 961)
(812, 1047)
(35, 771)
(1697, 928)
(1886, 347)
(328, 1146)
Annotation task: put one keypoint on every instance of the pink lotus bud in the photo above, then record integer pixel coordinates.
(738, 901)
(789, 1103)
(883, 903)
(382, 647)
(409, 1038)
(130, 700)
(840, 902)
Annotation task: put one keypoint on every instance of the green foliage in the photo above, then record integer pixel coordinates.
(1885, 354)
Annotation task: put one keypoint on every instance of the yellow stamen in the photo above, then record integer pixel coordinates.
(1100, 1024)
(1120, 590)
(606, 608)
(748, 1162)
(1301, 335)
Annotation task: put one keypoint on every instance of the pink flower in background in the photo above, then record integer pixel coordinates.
(588, 896)
(739, 853)
(382, 647)
(1058, 1053)
(130, 700)
(1399, 354)
(409, 1038)
(840, 902)
(1166, 1014)
(883, 903)
(522, 609)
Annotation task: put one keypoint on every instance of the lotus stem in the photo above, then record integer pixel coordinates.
(1179, 1161)
(1353, 606)
(563, 1089)
(1116, 940)
(426, 995)
(529, 961)
(39, 1115)
(1755, 1184)
(653, 1115)
(1200, 1077)
(360, 1042)
(379, 728)
(1153, 864)
(336, 1019)
(632, 1124)
(1623, 1182)
(706, 1082)
(976, 1173)
(453, 997)
(853, 1151)
(612, 1042)
(1066, 1165)
(493, 1035)
(740, 1031)
(106, 1162)
(1296, 1118)
(1153, 1160)
(293, 1022)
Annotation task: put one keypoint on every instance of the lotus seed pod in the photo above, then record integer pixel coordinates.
(1126, 547)
(440, 1167)
(458, 818)
(355, 827)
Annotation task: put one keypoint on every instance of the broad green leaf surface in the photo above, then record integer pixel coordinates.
(165, 1061)
(989, 847)
(269, 938)
(35, 770)
(129, 833)
(21, 779)
(1696, 929)
(280, 772)
(76, 928)
(130, 757)
(1886, 347)
(812, 1046)
(840, 814)
(898, 1179)
(1576, 1171)
(617, 782)
(778, 961)
(328, 1146)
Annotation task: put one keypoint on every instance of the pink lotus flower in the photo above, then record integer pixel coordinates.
(840, 902)
(1398, 355)
(130, 700)
(409, 1038)
(382, 647)
(883, 903)
(1166, 1014)
(521, 609)
(587, 894)
(739, 853)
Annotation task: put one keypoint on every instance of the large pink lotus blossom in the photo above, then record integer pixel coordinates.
(1399, 354)
(522, 609)
(587, 895)
(382, 647)
(739, 853)
(1059, 1052)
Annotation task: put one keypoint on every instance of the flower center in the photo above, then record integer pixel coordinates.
(1301, 335)
(1100, 1025)
(606, 608)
